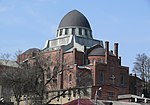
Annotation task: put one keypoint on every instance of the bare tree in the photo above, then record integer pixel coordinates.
(49, 71)
(14, 75)
(38, 75)
(142, 66)
(142, 69)
(46, 70)
(17, 79)
(32, 77)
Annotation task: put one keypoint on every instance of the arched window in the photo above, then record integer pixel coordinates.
(70, 77)
(55, 71)
(122, 79)
(48, 73)
(101, 77)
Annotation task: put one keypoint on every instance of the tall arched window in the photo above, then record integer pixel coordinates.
(70, 77)
(122, 80)
(101, 77)
(48, 73)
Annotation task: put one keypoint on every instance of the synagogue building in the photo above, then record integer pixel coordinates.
(88, 62)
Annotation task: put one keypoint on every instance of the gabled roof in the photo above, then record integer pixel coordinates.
(96, 50)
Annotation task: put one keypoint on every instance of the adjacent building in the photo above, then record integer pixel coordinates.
(5, 90)
(136, 85)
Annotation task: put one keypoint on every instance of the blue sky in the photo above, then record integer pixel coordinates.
(26, 24)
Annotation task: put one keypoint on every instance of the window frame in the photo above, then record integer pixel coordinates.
(73, 31)
(70, 78)
(101, 76)
(80, 31)
(66, 31)
(61, 32)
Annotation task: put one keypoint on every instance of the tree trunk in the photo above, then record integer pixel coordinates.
(18, 102)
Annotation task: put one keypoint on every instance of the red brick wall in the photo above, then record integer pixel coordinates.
(97, 64)
(109, 86)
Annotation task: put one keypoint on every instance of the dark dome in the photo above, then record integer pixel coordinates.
(74, 18)
(32, 50)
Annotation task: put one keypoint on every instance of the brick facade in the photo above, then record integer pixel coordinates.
(86, 62)
(105, 69)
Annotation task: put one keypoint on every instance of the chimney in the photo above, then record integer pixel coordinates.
(120, 61)
(106, 51)
(135, 74)
(116, 50)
